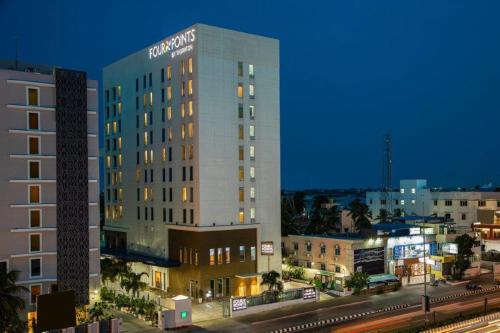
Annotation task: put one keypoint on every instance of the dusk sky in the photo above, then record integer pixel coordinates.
(428, 71)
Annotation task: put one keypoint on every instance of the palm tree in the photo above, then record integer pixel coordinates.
(10, 302)
(111, 269)
(132, 282)
(383, 216)
(98, 311)
(360, 214)
(271, 279)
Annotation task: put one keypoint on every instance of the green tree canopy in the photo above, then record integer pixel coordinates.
(360, 213)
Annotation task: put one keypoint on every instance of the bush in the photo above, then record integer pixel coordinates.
(108, 295)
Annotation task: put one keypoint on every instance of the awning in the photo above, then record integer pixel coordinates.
(138, 257)
(247, 275)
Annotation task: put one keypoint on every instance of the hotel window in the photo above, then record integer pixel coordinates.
(253, 253)
(170, 134)
(120, 142)
(151, 98)
(35, 242)
(35, 290)
(137, 102)
(190, 130)
(33, 98)
(183, 132)
(34, 194)
(252, 152)
(35, 218)
(183, 111)
(228, 255)
(481, 203)
(241, 173)
(146, 137)
(251, 109)
(191, 216)
(190, 108)
(337, 250)
(241, 216)
(242, 194)
(435, 202)
(191, 194)
(252, 193)
(251, 90)
(35, 267)
(252, 132)
(413, 190)
(463, 203)
(150, 79)
(464, 217)
(448, 203)
(241, 153)
(119, 159)
(190, 65)
(144, 100)
(196, 257)
(119, 105)
(295, 246)
(412, 201)
(240, 90)
(169, 93)
(115, 127)
(170, 215)
(164, 154)
(242, 253)
(240, 132)
(252, 214)
(33, 145)
(252, 173)
(169, 72)
(184, 194)
(308, 246)
(169, 112)
(162, 75)
(33, 121)
(107, 96)
(151, 155)
(251, 70)
(191, 172)
(163, 95)
(190, 87)
(183, 69)
(240, 68)
(34, 169)
(182, 89)
(240, 110)
(212, 257)
(183, 152)
(219, 256)
(402, 202)
(323, 267)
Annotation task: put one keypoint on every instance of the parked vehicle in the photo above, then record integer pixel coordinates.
(473, 286)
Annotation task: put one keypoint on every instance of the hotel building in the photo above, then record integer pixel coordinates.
(414, 197)
(192, 161)
(49, 180)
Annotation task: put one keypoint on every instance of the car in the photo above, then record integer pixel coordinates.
(473, 286)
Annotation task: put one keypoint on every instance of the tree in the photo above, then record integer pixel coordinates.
(323, 218)
(111, 269)
(397, 212)
(358, 281)
(132, 282)
(292, 209)
(271, 279)
(384, 216)
(465, 243)
(11, 303)
(360, 214)
(98, 311)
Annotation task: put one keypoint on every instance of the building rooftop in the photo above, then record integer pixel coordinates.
(21, 66)
(340, 236)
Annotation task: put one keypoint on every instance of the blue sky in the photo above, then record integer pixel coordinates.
(428, 71)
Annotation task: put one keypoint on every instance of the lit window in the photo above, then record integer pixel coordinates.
(151, 155)
(191, 152)
(33, 96)
(240, 90)
(252, 172)
(145, 137)
(35, 290)
(182, 88)
(219, 256)
(183, 110)
(242, 253)
(252, 111)
(34, 194)
(190, 106)
(241, 216)
(252, 152)
(119, 159)
(252, 131)
(183, 152)
(33, 121)
(144, 100)
(146, 157)
(164, 154)
(241, 173)
(402, 202)
(115, 127)
(184, 194)
(190, 65)
(108, 128)
(120, 142)
(190, 87)
(169, 112)
(242, 194)
(169, 72)
(252, 213)
(250, 70)
(253, 253)
(151, 98)
(146, 119)
(190, 130)
(120, 108)
(183, 132)
(413, 190)
(170, 135)
(169, 93)
(212, 257)
(108, 161)
(252, 192)
(183, 69)
(251, 90)
(146, 194)
(402, 191)
(413, 202)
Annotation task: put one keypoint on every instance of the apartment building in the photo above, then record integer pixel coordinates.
(192, 160)
(49, 198)
(414, 197)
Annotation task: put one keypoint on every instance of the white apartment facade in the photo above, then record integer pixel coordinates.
(192, 151)
(50, 191)
(414, 197)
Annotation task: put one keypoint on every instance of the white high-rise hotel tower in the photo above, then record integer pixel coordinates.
(192, 160)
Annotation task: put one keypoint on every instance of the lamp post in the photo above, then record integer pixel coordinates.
(425, 300)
